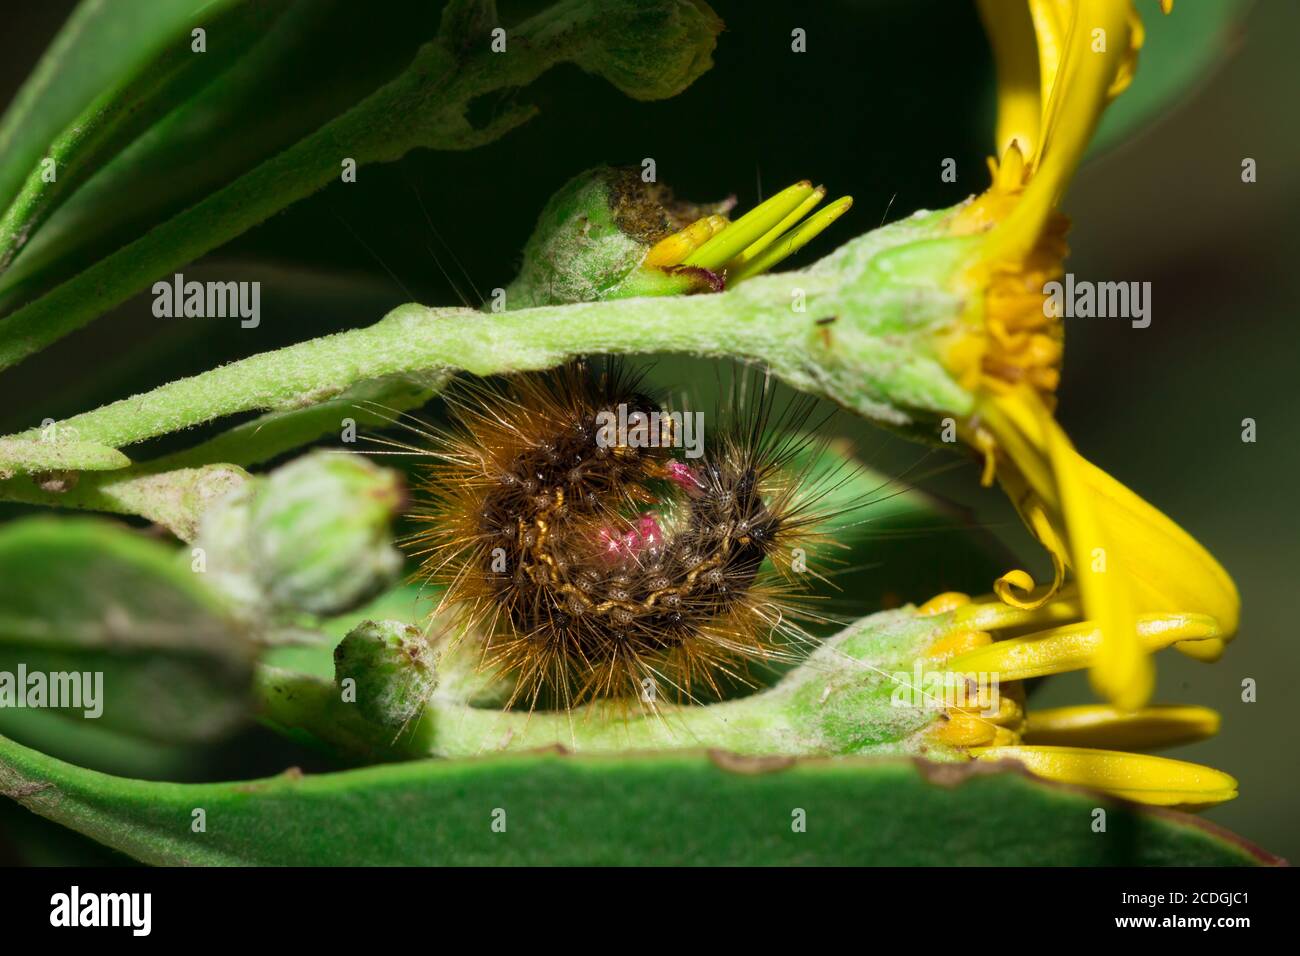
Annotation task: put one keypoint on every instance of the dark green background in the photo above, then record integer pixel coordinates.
(886, 91)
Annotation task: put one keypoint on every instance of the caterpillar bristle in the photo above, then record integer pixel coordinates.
(590, 564)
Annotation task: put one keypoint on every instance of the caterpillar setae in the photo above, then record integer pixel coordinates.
(597, 554)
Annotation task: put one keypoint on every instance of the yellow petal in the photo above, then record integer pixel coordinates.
(1152, 780)
(991, 615)
(1129, 558)
(1079, 75)
(1121, 671)
(1166, 568)
(1011, 34)
(1052, 21)
(1097, 725)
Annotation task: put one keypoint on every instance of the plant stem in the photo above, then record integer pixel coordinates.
(888, 379)
(174, 499)
(837, 701)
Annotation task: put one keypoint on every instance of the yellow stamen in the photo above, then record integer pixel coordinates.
(793, 241)
(749, 227)
(1097, 725)
(1017, 588)
(775, 232)
(1158, 781)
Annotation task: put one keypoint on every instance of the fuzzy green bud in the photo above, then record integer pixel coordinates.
(319, 532)
(312, 536)
(387, 669)
(592, 238)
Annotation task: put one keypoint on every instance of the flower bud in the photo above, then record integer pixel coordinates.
(392, 667)
(318, 533)
(592, 238)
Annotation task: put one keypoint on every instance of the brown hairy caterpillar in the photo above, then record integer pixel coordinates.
(596, 558)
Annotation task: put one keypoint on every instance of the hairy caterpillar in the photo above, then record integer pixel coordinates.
(594, 562)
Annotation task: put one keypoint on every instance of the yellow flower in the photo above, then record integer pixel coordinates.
(1062, 743)
(1059, 63)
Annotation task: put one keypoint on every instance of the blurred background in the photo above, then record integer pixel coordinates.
(886, 91)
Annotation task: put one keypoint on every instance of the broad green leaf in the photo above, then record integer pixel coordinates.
(83, 596)
(560, 809)
(87, 743)
(26, 840)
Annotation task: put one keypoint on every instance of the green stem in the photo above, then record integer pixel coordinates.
(869, 365)
(837, 701)
(369, 404)
(37, 454)
(174, 499)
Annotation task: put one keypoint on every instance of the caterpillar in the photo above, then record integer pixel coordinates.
(596, 556)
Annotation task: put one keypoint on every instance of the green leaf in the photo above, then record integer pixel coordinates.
(83, 596)
(287, 85)
(87, 744)
(687, 808)
(101, 42)
(130, 104)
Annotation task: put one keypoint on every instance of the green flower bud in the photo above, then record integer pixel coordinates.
(310, 537)
(593, 236)
(391, 668)
(318, 533)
